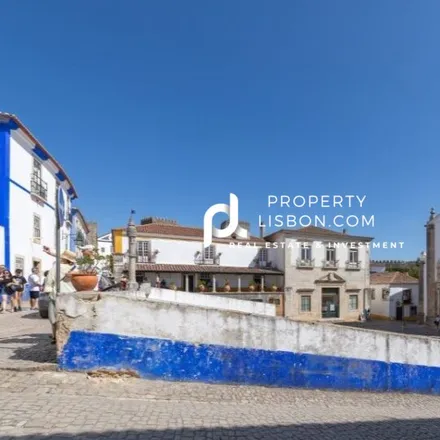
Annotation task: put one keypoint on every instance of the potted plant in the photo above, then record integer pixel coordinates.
(274, 287)
(85, 276)
(202, 286)
(227, 286)
(251, 286)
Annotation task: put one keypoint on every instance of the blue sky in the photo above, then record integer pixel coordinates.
(167, 107)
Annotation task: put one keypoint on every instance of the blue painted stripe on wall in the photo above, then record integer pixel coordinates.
(176, 360)
(60, 176)
(28, 191)
(5, 160)
(40, 152)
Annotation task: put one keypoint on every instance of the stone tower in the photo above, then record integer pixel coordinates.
(431, 270)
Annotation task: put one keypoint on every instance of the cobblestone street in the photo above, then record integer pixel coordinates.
(25, 341)
(59, 405)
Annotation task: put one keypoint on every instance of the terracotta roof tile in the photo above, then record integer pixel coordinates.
(392, 278)
(196, 268)
(186, 231)
(314, 231)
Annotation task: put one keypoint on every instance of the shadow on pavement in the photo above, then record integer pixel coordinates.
(425, 429)
(35, 347)
(31, 315)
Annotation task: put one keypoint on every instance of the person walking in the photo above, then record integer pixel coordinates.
(20, 281)
(67, 265)
(35, 284)
(5, 281)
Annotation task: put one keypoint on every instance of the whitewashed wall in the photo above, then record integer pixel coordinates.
(387, 308)
(23, 208)
(105, 245)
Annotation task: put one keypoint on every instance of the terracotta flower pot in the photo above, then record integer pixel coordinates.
(274, 288)
(227, 288)
(251, 288)
(201, 288)
(84, 281)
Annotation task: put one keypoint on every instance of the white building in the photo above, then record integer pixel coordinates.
(105, 244)
(176, 255)
(29, 177)
(394, 295)
(79, 230)
(326, 273)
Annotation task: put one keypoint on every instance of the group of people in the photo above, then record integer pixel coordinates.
(13, 286)
(11, 289)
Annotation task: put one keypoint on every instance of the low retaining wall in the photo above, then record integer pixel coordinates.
(212, 301)
(164, 340)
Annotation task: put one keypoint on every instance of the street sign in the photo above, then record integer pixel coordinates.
(61, 207)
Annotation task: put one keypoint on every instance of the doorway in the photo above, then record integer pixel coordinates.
(399, 313)
(330, 302)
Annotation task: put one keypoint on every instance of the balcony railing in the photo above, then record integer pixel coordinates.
(305, 264)
(353, 265)
(201, 260)
(327, 264)
(38, 187)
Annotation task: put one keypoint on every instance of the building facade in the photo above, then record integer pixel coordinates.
(175, 255)
(105, 244)
(29, 182)
(394, 295)
(326, 273)
(79, 230)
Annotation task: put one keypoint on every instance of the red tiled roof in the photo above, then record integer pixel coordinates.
(314, 231)
(196, 268)
(392, 278)
(158, 229)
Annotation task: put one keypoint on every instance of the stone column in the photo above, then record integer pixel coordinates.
(132, 254)
(214, 283)
(421, 304)
(431, 268)
(186, 283)
(239, 283)
(262, 283)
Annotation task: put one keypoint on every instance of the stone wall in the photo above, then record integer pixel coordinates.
(164, 340)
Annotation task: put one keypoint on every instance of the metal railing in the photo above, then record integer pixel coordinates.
(38, 186)
(305, 263)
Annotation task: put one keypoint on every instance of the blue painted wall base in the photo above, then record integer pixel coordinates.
(175, 360)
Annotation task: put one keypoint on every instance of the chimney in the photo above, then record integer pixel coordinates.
(262, 230)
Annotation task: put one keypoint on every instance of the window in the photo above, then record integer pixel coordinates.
(354, 255)
(19, 263)
(209, 253)
(406, 296)
(385, 294)
(37, 228)
(306, 252)
(353, 302)
(306, 303)
(205, 277)
(36, 168)
(330, 253)
(263, 256)
(143, 251)
(38, 185)
(373, 293)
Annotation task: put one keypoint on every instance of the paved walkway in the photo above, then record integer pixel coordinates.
(58, 405)
(67, 405)
(407, 328)
(25, 342)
